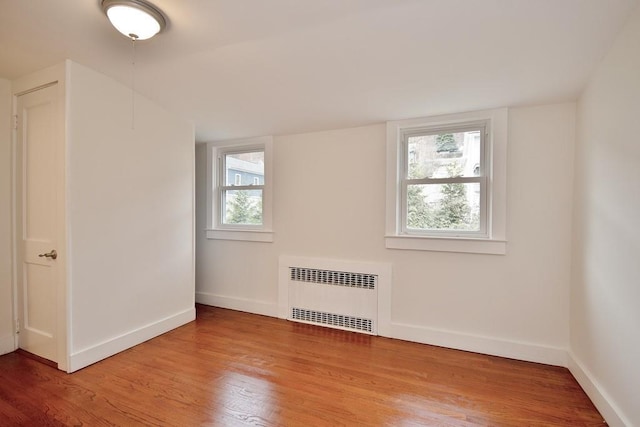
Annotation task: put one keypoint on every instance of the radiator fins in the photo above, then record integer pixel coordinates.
(331, 319)
(329, 277)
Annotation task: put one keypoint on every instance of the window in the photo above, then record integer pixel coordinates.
(240, 190)
(442, 192)
(446, 187)
(241, 202)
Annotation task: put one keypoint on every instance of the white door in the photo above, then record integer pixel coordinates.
(36, 221)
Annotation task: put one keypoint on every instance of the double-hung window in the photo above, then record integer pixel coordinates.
(240, 193)
(446, 183)
(240, 190)
(444, 187)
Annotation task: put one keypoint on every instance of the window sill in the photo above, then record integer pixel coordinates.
(241, 235)
(447, 244)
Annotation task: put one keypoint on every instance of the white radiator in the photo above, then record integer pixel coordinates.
(334, 294)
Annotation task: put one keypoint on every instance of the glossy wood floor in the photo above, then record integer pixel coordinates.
(235, 369)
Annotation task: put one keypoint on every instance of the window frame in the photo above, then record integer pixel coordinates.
(406, 133)
(223, 187)
(216, 180)
(491, 239)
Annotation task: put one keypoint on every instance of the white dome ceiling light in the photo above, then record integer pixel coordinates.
(136, 19)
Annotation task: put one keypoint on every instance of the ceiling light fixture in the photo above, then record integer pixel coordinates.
(136, 19)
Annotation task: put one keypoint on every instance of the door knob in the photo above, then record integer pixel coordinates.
(53, 254)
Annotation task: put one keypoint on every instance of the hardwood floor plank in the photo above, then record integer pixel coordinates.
(236, 369)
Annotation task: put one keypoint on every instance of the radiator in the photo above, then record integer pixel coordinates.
(342, 298)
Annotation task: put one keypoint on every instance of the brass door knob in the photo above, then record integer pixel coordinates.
(53, 254)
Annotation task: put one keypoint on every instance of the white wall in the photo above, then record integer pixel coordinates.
(7, 342)
(130, 215)
(605, 298)
(329, 202)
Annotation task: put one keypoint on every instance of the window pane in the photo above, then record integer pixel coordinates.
(444, 207)
(244, 168)
(444, 155)
(242, 207)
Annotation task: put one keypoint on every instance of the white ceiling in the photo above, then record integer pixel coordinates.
(241, 68)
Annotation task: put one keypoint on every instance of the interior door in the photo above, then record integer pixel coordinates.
(36, 221)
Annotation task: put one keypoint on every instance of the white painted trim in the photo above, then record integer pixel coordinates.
(193, 215)
(258, 140)
(59, 75)
(211, 198)
(241, 304)
(496, 150)
(217, 230)
(447, 244)
(600, 398)
(467, 342)
(93, 354)
(241, 235)
(64, 311)
(38, 79)
(480, 344)
(7, 344)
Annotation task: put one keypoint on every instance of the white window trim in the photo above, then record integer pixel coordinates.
(494, 242)
(252, 233)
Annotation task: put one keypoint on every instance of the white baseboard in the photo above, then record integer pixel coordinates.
(479, 344)
(600, 398)
(240, 304)
(7, 344)
(93, 354)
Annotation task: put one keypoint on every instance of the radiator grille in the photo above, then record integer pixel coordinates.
(330, 277)
(339, 320)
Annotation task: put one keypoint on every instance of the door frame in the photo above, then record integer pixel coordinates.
(32, 82)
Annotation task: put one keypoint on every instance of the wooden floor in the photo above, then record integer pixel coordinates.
(230, 368)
